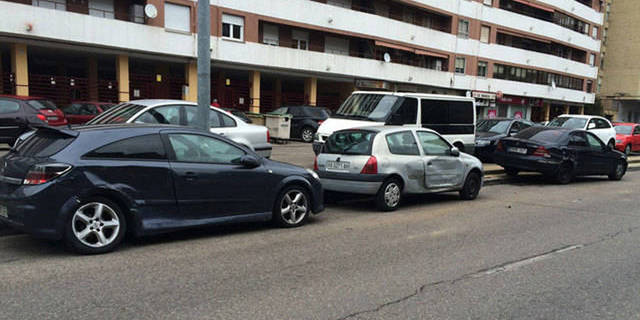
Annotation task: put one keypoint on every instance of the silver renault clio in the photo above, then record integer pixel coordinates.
(391, 161)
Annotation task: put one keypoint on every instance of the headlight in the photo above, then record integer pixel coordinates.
(313, 174)
(482, 143)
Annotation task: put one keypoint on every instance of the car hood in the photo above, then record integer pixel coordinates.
(331, 125)
(489, 135)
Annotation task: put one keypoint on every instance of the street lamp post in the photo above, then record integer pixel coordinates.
(204, 63)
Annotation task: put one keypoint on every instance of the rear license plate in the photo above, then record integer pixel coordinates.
(518, 150)
(3, 211)
(339, 165)
(52, 118)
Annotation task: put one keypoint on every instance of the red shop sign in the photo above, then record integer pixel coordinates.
(512, 100)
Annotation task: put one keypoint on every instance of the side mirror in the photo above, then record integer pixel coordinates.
(455, 152)
(513, 132)
(591, 126)
(249, 161)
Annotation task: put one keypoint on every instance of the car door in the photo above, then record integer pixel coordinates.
(405, 158)
(635, 139)
(12, 121)
(210, 182)
(598, 155)
(442, 170)
(580, 150)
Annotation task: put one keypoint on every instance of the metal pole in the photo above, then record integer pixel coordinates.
(204, 63)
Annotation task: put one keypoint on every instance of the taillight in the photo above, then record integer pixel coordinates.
(315, 163)
(42, 173)
(42, 117)
(268, 136)
(320, 121)
(542, 152)
(499, 146)
(371, 167)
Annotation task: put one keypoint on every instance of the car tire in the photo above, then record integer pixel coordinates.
(612, 144)
(471, 187)
(564, 174)
(512, 172)
(292, 207)
(97, 225)
(627, 149)
(307, 134)
(389, 195)
(618, 171)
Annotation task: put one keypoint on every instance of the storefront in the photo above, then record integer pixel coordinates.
(485, 104)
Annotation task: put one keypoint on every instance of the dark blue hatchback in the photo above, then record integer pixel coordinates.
(91, 185)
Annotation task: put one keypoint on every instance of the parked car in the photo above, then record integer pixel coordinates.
(627, 137)
(238, 114)
(599, 126)
(305, 120)
(18, 113)
(490, 131)
(79, 112)
(91, 185)
(390, 161)
(454, 117)
(560, 153)
(184, 113)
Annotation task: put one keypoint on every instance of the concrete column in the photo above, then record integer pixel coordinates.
(567, 109)
(122, 76)
(191, 75)
(547, 111)
(92, 75)
(1, 87)
(278, 93)
(20, 68)
(254, 92)
(582, 110)
(311, 90)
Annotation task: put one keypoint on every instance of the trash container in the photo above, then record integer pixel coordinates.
(279, 126)
(256, 118)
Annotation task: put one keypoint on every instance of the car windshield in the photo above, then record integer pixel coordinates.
(372, 107)
(356, 142)
(541, 134)
(42, 104)
(568, 122)
(118, 114)
(626, 130)
(495, 126)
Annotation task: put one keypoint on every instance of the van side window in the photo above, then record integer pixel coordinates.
(448, 117)
(407, 113)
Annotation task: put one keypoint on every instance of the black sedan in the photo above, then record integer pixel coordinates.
(305, 121)
(559, 153)
(91, 185)
(490, 131)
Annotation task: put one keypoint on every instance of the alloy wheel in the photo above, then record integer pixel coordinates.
(95, 225)
(307, 135)
(392, 195)
(294, 207)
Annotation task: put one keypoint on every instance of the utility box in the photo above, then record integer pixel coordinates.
(279, 126)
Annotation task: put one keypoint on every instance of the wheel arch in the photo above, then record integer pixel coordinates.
(294, 181)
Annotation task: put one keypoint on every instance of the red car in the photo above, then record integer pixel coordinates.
(627, 137)
(79, 112)
(18, 112)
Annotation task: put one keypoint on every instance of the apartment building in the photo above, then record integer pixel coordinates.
(520, 58)
(619, 79)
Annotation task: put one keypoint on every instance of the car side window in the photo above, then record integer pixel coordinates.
(7, 106)
(162, 115)
(577, 139)
(636, 131)
(407, 113)
(432, 144)
(525, 125)
(594, 142)
(227, 121)
(203, 149)
(143, 147)
(87, 109)
(402, 143)
(192, 114)
(602, 124)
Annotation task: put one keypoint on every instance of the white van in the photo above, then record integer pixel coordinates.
(454, 117)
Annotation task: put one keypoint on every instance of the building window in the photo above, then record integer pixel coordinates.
(594, 32)
(592, 60)
(300, 40)
(589, 86)
(270, 35)
(232, 27)
(336, 45)
(177, 17)
(101, 8)
(482, 68)
(340, 3)
(51, 4)
(460, 65)
(463, 29)
(488, 2)
(485, 33)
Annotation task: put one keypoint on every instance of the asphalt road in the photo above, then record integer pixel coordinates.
(524, 251)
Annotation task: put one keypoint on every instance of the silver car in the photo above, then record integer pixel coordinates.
(184, 113)
(392, 161)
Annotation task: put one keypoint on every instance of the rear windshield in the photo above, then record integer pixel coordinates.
(495, 126)
(623, 129)
(317, 112)
(42, 104)
(43, 144)
(373, 107)
(355, 142)
(118, 114)
(541, 134)
(568, 122)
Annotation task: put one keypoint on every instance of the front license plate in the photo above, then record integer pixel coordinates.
(518, 150)
(338, 165)
(3, 212)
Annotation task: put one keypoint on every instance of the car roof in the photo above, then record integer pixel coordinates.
(388, 129)
(418, 95)
(502, 118)
(24, 98)
(159, 102)
(132, 127)
(581, 116)
(625, 124)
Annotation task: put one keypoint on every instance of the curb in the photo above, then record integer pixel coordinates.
(503, 178)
